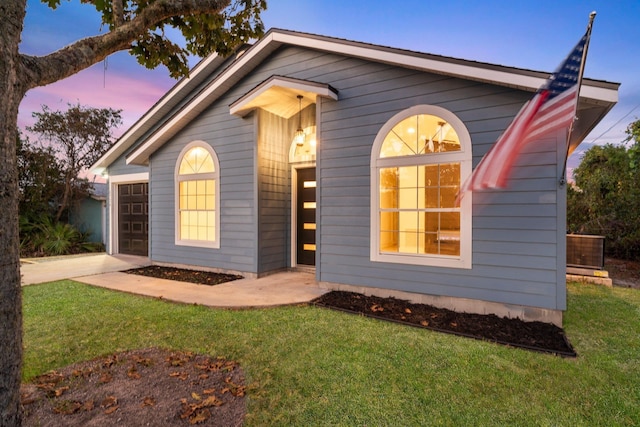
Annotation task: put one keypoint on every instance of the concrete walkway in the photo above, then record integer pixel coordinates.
(105, 271)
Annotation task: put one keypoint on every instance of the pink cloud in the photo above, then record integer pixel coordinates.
(133, 93)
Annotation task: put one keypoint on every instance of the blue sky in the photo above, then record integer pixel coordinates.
(532, 34)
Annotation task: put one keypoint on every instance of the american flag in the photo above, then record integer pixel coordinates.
(552, 108)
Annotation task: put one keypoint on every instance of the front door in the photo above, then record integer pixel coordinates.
(133, 219)
(306, 217)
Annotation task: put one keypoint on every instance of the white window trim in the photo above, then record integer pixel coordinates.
(216, 177)
(464, 157)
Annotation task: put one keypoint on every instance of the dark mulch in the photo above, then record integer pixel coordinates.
(150, 387)
(536, 336)
(184, 275)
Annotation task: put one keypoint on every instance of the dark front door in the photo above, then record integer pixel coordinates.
(306, 217)
(133, 219)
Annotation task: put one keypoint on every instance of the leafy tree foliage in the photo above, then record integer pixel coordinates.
(606, 200)
(134, 25)
(77, 137)
(40, 180)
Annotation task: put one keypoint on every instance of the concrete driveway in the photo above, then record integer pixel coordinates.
(41, 270)
(105, 271)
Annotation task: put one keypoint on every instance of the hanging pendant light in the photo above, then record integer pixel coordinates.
(299, 136)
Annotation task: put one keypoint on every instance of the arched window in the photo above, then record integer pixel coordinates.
(419, 159)
(197, 196)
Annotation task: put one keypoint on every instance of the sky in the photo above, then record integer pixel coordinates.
(530, 34)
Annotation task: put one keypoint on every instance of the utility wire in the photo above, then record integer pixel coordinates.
(614, 125)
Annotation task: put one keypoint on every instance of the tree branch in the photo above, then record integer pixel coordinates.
(40, 71)
(118, 13)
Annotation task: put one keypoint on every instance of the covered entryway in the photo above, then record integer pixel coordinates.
(286, 112)
(306, 217)
(133, 219)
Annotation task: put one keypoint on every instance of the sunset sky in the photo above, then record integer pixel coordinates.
(534, 34)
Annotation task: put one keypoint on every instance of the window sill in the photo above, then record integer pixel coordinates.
(423, 260)
(198, 244)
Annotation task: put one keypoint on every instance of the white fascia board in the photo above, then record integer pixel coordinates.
(241, 107)
(601, 94)
(131, 135)
(140, 156)
(405, 60)
(467, 71)
(502, 77)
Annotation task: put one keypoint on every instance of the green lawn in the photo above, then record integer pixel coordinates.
(310, 366)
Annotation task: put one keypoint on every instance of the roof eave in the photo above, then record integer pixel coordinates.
(594, 90)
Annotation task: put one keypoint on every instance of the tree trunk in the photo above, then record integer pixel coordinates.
(12, 89)
(64, 204)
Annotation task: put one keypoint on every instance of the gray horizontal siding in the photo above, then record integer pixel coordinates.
(120, 167)
(232, 139)
(515, 232)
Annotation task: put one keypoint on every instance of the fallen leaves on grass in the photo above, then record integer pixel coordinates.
(139, 388)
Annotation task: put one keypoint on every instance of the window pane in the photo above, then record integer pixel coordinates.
(389, 188)
(389, 221)
(407, 198)
(420, 134)
(430, 243)
(388, 241)
(431, 176)
(185, 167)
(450, 221)
(408, 177)
(431, 196)
(448, 197)
(450, 174)
(408, 242)
(394, 146)
(196, 160)
(192, 202)
(429, 221)
(207, 165)
(201, 188)
(183, 196)
(408, 221)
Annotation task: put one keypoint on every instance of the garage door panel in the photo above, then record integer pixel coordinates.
(133, 229)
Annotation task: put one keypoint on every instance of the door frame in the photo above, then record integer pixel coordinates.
(294, 212)
(114, 182)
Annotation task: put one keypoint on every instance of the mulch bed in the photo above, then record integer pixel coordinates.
(537, 336)
(149, 387)
(184, 275)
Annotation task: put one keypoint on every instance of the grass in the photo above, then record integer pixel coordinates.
(310, 366)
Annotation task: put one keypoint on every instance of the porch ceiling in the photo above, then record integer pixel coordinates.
(279, 95)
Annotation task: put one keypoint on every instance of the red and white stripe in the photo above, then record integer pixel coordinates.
(536, 118)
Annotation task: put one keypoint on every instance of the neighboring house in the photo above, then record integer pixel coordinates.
(211, 178)
(89, 213)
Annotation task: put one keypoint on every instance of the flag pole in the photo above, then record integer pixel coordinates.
(592, 16)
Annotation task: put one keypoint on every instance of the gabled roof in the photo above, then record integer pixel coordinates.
(598, 96)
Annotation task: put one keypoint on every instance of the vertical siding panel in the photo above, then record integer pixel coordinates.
(273, 191)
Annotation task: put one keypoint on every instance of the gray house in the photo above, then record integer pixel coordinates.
(344, 158)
